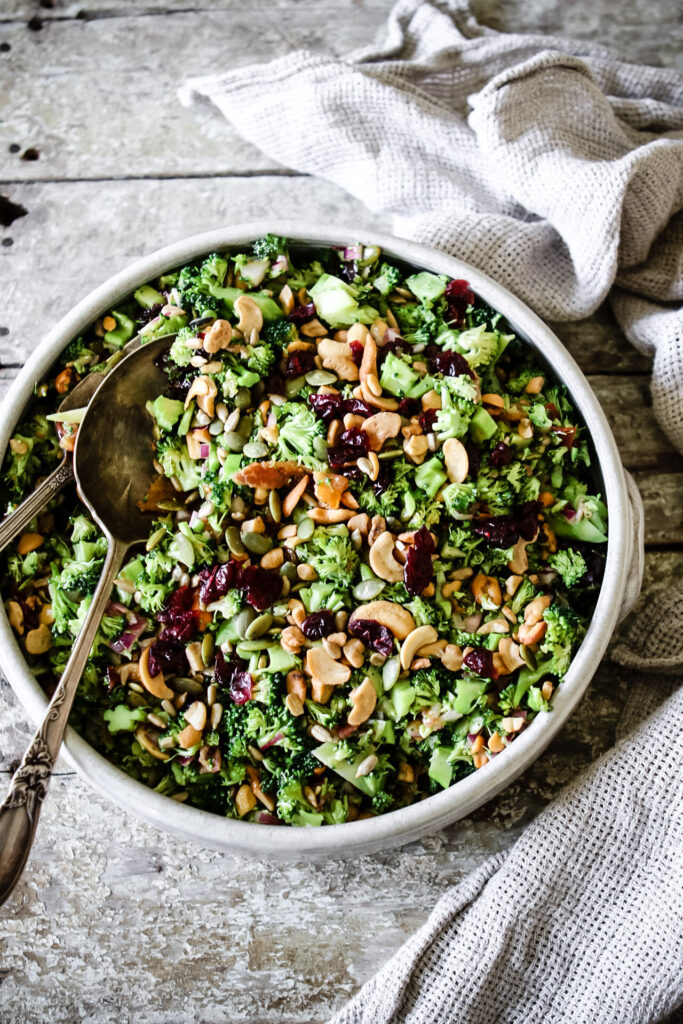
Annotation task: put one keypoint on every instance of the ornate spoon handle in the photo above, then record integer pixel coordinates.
(21, 808)
(15, 522)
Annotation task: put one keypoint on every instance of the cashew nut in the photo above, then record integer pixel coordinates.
(336, 356)
(509, 652)
(189, 737)
(380, 428)
(378, 401)
(29, 542)
(382, 561)
(218, 336)
(519, 562)
(494, 626)
(416, 639)
(368, 364)
(486, 591)
(16, 617)
(321, 692)
(532, 634)
(364, 699)
(39, 640)
(452, 658)
(147, 741)
(250, 316)
(204, 390)
(397, 619)
(456, 460)
(416, 448)
(153, 684)
(245, 801)
(295, 683)
(320, 665)
(194, 656)
(195, 715)
(359, 522)
(533, 612)
(431, 400)
(378, 525)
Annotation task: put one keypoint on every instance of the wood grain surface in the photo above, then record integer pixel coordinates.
(115, 921)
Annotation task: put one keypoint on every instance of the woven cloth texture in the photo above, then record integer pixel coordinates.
(557, 168)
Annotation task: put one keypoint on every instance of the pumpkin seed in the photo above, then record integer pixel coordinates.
(244, 427)
(216, 428)
(259, 626)
(184, 685)
(528, 656)
(390, 453)
(305, 529)
(320, 447)
(154, 539)
(208, 649)
(247, 647)
(294, 386)
(243, 398)
(233, 441)
(275, 506)
(234, 542)
(316, 378)
(255, 450)
(243, 620)
(366, 590)
(288, 570)
(257, 543)
(170, 506)
(391, 671)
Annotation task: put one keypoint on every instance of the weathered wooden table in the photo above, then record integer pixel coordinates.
(114, 921)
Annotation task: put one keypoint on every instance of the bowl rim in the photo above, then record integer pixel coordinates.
(408, 823)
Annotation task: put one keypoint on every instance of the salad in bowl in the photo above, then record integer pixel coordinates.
(375, 539)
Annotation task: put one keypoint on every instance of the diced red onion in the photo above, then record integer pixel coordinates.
(204, 450)
(280, 265)
(265, 818)
(136, 628)
(272, 741)
(353, 252)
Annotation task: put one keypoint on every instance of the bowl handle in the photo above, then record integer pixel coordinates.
(636, 526)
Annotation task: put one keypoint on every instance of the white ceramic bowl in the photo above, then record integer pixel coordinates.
(619, 590)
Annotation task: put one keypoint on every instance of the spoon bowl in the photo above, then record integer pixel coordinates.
(113, 467)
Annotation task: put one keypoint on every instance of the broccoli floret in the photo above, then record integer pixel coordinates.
(565, 626)
(196, 281)
(28, 453)
(569, 564)
(269, 247)
(418, 323)
(64, 607)
(387, 279)
(261, 359)
(80, 575)
(479, 346)
(382, 802)
(332, 555)
(298, 428)
(78, 354)
(152, 596)
(293, 806)
(459, 498)
(278, 334)
(180, 352)
(286, 766)
(82, 528)
(525, 592)
(175, 461)
(112, 626)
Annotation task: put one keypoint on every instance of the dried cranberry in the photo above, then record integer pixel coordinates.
(418, 569)
(458, 297)
(317, 625)
(480, 661)
(177, 604)
(261, 588)
(299, 362)
(450, 364)
(566, 434)
(183, 628)
(427, 419)
(408, 407)
(378, 637)
(167, 655)
(356, 352)
(501, 455)
(384, 480)
(552, 410)
(214, 583)
(275, 383)
(348, 271)
(233, 677)
(327, 406)
(500, 531)
(332, 406)
(149, 314)
(357, 407)
(302, 314)
(352, 443)
(474, 459)
(527, 518)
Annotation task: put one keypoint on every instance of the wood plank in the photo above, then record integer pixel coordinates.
(662, 495)
(189, 934)
(78, 86)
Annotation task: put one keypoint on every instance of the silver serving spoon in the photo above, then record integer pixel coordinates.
(113, 469)
(13, 524)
